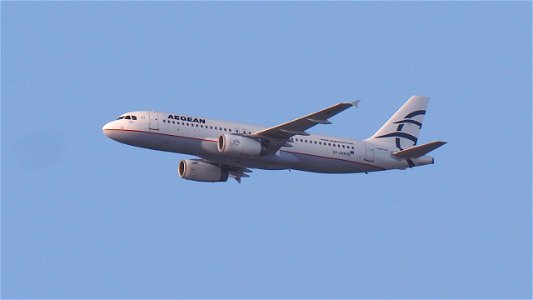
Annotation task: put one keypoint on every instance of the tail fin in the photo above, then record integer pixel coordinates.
(401, 130)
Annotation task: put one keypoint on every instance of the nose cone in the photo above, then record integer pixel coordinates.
(108, 128)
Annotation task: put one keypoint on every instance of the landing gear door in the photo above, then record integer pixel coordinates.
(369, 152)
(154, 120)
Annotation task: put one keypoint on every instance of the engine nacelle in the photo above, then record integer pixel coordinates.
(236, 145)
(201, 171)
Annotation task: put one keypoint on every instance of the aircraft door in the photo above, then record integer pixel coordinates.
(154, 120)
(369, 152)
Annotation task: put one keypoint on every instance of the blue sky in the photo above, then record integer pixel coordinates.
(84, 216)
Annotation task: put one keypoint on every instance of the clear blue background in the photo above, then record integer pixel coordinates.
(84, 216)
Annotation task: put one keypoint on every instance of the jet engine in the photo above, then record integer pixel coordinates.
(236, 145)
(197, 170)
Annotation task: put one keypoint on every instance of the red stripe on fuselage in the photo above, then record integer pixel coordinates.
(214, 141)
(166, 134)
(319, 156)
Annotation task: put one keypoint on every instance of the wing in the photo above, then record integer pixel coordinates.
(278, 135)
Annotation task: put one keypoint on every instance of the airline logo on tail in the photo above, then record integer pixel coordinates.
(399, 134)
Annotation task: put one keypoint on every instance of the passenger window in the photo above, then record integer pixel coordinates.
(230, 130)
(315, 142)
(329, 144)
(164, 121)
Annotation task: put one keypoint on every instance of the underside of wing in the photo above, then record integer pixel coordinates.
(235, 172)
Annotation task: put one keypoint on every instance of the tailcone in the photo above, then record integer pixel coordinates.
(423, 160)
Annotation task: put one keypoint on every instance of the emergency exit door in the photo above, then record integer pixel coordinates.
(369, 152)
(154, 121)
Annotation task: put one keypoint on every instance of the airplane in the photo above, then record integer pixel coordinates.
(230, 150)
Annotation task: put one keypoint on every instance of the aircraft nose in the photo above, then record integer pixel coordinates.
(107, 128)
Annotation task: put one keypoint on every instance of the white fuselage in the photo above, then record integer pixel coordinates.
(198, 136)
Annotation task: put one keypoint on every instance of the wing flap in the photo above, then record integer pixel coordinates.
(319, 121)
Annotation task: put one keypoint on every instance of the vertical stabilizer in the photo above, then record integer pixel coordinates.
(402, 129)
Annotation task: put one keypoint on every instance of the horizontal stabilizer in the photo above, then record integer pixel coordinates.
(418, 151)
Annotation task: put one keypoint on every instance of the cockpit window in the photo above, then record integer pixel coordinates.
(127, 117)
